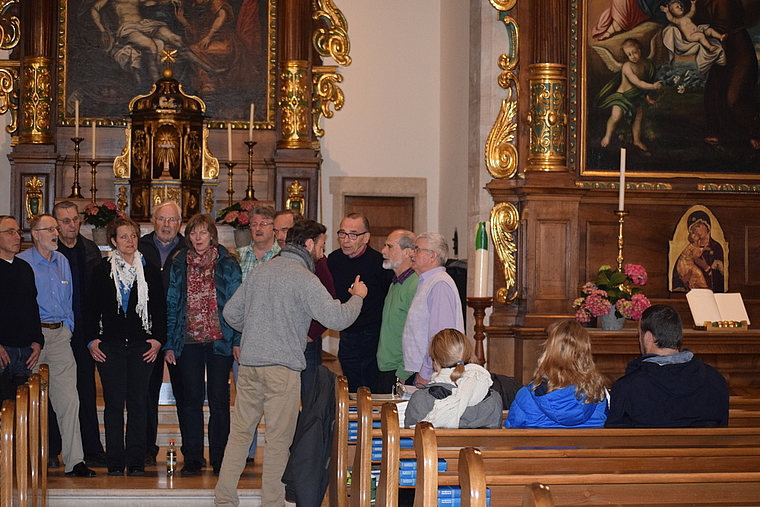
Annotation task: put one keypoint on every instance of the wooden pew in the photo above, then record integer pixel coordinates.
(337, 490)
(44, 373)
(7, 424)
(472, 478)
(627, 475)
(537, 495)
(38, 408)
(22, 445)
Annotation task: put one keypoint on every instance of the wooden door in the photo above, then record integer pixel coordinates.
(385, 215)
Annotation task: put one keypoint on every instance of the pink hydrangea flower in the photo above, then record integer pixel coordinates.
(588, 288)
(243, 218)
(110, 205)
(637, 273)
(639, 303)
(231, 216)
(247, 205)
(582, 315)
(597, 303)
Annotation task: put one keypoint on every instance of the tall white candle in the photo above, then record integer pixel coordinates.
(94, 123)
(481, 262)
(76, 118)
(250, 125)
(621, 195)
(229, 142)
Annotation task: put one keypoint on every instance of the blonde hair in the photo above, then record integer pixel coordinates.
(450, 349)
(567, 361)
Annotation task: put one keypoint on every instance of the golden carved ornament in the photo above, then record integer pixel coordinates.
(729, 187)
(210, 162)
(10, 25)
(9, 88)
(34, 198)
(122, 200)
(503, 5)
(326, 92)
(547, 120)
(295, 104)
(208, 200)
(332, 41)
(37, 100)
(296, 199)
(504, 222)
(501, 155)
(632, 186)
(121, 162)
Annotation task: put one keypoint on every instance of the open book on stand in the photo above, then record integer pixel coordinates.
(717, 311)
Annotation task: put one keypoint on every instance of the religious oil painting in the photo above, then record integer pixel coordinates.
(675, 82)
(698, 256)
(111, 52)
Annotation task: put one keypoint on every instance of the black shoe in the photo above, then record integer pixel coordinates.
(54, 463)
(136, 471)
(116, 471)
(81, 470)
(97, 460)
(217, 467)
(190, 470)
(150, 460)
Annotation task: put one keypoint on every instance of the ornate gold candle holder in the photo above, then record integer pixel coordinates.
(621, 219)
(230, 189)
(94, 172)
(76, 191)
(249, 192)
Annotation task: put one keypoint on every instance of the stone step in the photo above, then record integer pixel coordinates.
(148, 497)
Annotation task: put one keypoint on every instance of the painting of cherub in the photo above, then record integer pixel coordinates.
(705, 114)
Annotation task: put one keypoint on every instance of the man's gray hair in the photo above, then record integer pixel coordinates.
(64, 205)
(164, 204)
(263, 210)
(406, 239)
(437, 244)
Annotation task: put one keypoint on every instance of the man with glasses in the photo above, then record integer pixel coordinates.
(21, 341)
(52, 277)
(436, 304)
(263, 246)
(357, 351)
(82, 254)
(159, 249)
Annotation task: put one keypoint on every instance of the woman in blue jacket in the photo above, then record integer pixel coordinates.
(567, 391)
(199, 341)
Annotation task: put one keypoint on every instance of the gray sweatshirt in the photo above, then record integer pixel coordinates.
(274, 306)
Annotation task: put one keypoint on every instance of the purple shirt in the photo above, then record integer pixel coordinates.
(443, 305)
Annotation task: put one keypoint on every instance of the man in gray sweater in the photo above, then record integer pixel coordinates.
(273, 309)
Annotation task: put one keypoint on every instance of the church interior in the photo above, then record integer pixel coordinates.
(431, 115)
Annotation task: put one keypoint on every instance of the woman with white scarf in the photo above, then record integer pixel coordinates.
(125, 321)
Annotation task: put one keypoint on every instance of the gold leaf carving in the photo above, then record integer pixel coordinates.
(326, 92)
(208, 200)
(10, 26)
(9, 87)
(501, 155)
(332, 41)
(503, 5)
(504, 222)
(121, 162)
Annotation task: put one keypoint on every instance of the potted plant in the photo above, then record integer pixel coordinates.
(98, 215)
(613, 296)
(237, 216)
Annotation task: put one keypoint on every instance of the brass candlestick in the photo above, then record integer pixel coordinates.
(94, 172)
(249, 192)
(75, 188)
(479, 305)
(230, 189)
(621, 219)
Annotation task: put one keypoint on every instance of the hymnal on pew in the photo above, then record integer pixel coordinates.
(717, 312)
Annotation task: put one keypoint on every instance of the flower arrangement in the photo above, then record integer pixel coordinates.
(236, 215)
(613, 287)
(98, 215)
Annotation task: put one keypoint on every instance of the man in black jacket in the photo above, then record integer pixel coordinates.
(159, 249)
(667, 387)
(82, 254)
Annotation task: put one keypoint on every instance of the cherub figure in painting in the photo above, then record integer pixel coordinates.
(626, 93)
(678, 15)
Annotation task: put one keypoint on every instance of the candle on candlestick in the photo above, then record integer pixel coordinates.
(229, 142)
(76, 118)
(481, 262)
(250, 125)
(621, 195)
(94, 123)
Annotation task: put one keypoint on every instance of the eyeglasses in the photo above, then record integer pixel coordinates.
(417, 249)
(170, 220)
(262, 224)
(50, 230)
(69, 221)
(12, 232)
(351, 235)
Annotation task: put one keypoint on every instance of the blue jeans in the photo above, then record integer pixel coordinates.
(358, 357)
(16, 373)
(198, 362)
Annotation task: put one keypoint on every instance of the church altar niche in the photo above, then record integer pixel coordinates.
(166, 155)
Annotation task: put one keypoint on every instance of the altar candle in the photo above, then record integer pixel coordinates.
(621, 195)
(76, 118)
(481, 262)
(94, 123)
(250, 125)
(229, 142)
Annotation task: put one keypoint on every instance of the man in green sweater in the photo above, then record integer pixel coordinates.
(273, 309)
(397, 256)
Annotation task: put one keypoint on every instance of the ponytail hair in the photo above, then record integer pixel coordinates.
(450, 349)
